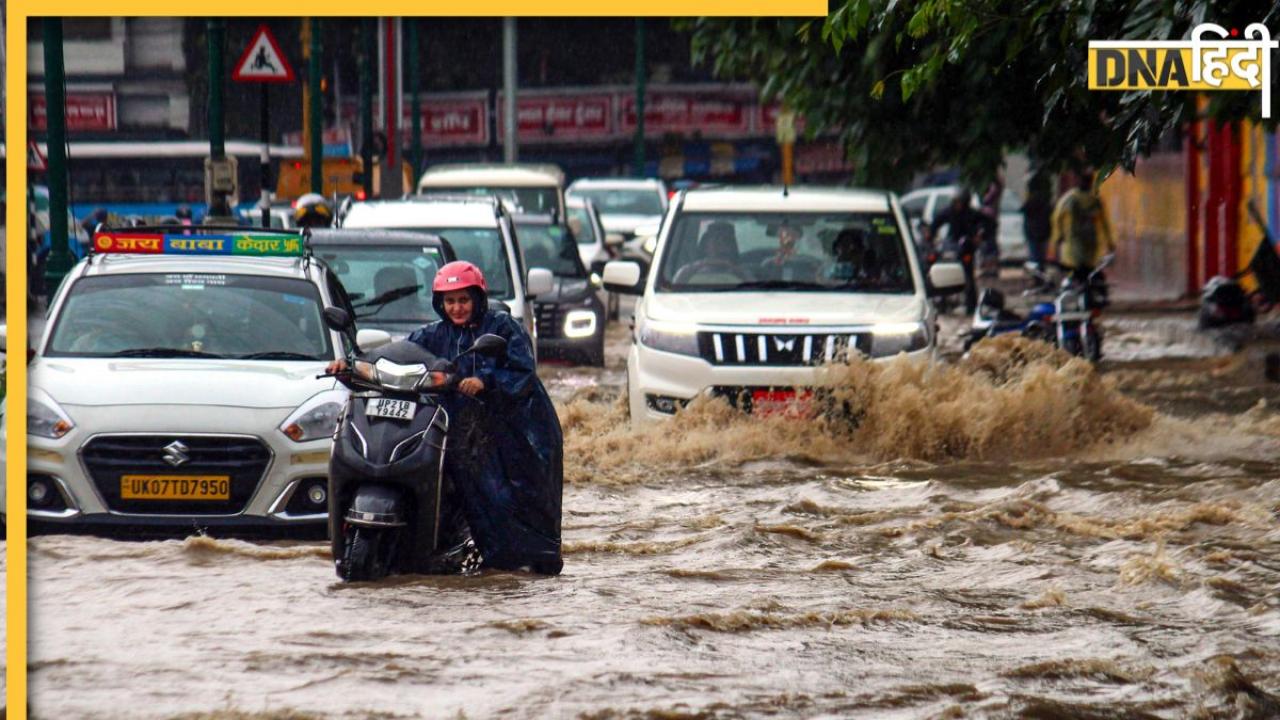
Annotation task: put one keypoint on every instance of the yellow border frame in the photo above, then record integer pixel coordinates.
(16, 169)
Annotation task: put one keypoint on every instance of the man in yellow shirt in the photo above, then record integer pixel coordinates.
(1080, 232)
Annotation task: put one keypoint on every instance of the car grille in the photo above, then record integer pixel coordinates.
(549, 320)
(780, 349)
(243, 459)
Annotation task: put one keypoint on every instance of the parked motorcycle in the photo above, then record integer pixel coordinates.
(1069, 322)
(391, 507)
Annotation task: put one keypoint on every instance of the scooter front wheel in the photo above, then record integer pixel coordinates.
(366, 555)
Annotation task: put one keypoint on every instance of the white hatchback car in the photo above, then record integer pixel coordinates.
(752, 288)
(481, 232)
(176, 391)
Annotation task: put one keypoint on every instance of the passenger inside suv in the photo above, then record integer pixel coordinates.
(718, 261)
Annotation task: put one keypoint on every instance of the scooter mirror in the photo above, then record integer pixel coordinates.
(337, 319)
(489, 345)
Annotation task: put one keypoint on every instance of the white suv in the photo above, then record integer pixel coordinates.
(533, 189)
(179, 391)
(752, 288)
(480, 231)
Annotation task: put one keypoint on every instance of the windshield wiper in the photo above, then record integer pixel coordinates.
(277, 355)
(163, 352)
(388, 296)
(778, 285)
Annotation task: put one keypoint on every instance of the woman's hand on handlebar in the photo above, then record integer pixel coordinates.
(336, 366)
(471, 386)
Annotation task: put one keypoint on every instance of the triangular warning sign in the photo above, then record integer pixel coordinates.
(35, 158)
(263, 61)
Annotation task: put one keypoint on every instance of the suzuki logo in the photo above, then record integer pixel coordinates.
(175, 453)
(781, 344)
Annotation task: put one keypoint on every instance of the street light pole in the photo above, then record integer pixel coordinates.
(313, 110)
(638, 167)
(415, 110)
(367, 58)
(217, 145)
(55, 97)
(509, 152)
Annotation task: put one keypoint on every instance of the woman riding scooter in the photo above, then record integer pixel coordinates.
(505, 455)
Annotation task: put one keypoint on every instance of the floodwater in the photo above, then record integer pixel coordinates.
(1010, 535)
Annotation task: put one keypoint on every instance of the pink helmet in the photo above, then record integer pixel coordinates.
(458, 275)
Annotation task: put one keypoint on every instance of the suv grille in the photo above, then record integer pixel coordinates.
(781, 349)
(243, 459)
(548, 318)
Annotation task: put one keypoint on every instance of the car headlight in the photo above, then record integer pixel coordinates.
(889, 339)
(580, 323)
(681, 339)
(45, 419)
(316, 418)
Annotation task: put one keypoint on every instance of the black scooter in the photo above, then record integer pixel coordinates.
(391, 507)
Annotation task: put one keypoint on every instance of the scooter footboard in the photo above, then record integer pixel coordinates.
(377, 505)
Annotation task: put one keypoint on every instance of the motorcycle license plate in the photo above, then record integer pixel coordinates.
(175, 487)
(393, 409)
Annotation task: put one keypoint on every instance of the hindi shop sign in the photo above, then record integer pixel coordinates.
(1227, 60)
(715, 115)
(567, 117)
(85, 112)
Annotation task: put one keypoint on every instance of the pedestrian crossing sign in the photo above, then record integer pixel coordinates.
(263, 61)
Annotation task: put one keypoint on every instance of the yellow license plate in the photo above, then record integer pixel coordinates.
(175, 487)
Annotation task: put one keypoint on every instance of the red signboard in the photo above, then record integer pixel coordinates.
(568, 117)
(86, 112)
(711, 114)
(447, 120)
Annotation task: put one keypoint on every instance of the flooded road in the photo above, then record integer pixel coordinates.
(1009, 535)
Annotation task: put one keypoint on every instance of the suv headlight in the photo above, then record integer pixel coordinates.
(681, 339)
(580, 323)
(889, 339)
(45, 418)
(316, 418)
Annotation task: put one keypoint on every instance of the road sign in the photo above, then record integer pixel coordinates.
(35, 158)
(263, 61)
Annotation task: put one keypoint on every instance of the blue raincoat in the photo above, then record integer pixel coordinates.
(505, 453)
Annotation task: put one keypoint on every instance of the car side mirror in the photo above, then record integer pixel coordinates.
(946, 278)
(371, 338)
(540, 282)
(624, 276)
(339, 321)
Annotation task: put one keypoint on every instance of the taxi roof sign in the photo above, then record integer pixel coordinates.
(241, 244)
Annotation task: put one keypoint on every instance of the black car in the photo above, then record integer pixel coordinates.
(571, 317)
(387, 274)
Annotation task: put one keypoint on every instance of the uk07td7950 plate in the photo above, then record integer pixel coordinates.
(393, 409)
(175, 487)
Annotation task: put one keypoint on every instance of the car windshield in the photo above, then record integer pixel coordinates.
(824, 252)
(165, 315)
(389, 285)
(580, 224)
(484, 248)
(532, 200)
(623, 202)
(550, 247)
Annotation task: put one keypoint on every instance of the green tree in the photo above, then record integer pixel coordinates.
(911, 85)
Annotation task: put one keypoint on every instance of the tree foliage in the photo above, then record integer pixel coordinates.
(911, 84)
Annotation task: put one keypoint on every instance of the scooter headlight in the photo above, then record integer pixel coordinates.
(46, 419)
(364, 370)
(316, 418)
(399, 377)
(889, 339)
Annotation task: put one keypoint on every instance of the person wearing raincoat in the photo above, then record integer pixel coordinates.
(506, 451)
(1080, 233)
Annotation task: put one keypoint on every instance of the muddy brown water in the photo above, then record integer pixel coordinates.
(1005, 536)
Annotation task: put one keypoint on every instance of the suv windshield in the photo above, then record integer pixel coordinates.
(483, 247)
(168, 315)
(388, 284)
(550, 247)
(580, 224)
(826, 252)
(623, 202)
(532, 200)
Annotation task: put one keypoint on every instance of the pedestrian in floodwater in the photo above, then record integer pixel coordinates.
(1081, 233)
(1037, 211)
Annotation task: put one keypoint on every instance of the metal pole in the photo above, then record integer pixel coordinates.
(509, 151)
(367, 59)
(638, 166)
(216, 36)
(264, 158)
(314, 110)
(415, 147)
(55, 100)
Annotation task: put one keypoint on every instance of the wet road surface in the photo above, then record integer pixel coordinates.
(1004, 536)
